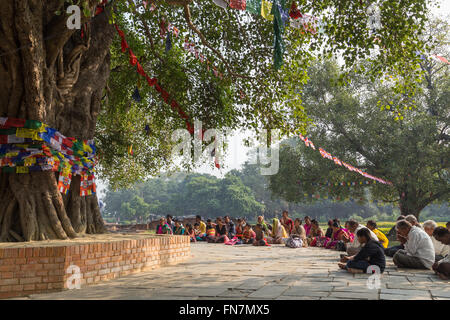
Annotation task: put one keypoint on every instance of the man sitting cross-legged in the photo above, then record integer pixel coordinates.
(419, 250)
(441, 250)
(371, 253)
(442, 267)
(393, 233)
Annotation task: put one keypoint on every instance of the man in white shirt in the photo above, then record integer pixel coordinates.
(440, 250)
(442, 267)
(419, 250)
(354, 247)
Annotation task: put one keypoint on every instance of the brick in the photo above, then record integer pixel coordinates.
(7, 275)
(41, 286)
(5, 288)
(27, 267)
(24, 274)
(4, 282)
(44, 260)
(56, 285)
(30, 280)
(28, 287)
(17, 287)
(52, 266)
(36, 252)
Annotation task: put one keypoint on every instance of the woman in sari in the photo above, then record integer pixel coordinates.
(263, 224)
(189, 231)
(163, 227)
(278, 233)
(221, 231)
(339, 234)
(179, 229)
(316, 236)
(300, 231)
(239, 228)
(329, 232)
(307, 225)
(349, 236)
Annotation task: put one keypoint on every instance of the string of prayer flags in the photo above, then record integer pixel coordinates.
(37, 147)
(340, 184)
(153, 82)
(327, 155)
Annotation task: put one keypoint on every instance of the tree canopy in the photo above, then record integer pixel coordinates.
(251, 93)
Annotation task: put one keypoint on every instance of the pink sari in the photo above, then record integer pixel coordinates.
(307, 229)
(334, 239)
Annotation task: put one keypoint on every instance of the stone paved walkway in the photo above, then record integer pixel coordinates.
(217, 271)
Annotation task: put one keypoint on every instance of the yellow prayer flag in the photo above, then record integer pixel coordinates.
(22, 170)
(87, 148)
(29, 161)
(12, 154)
(266, 8)
(25, 133)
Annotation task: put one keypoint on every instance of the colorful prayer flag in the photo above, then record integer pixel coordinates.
(266, 9)
(238, 4)
(253, 6)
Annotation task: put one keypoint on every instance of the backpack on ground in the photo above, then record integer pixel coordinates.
(294, 242)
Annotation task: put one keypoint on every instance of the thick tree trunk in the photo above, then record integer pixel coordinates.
(51, 74)
(410, 205)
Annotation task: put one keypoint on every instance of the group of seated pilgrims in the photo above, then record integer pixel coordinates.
(425, 246)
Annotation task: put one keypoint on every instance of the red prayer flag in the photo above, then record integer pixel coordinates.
(133, 59)
(165, 95)
(140, 70)
(15, 123)
(238, 4)
(151, 81)
(294, 13)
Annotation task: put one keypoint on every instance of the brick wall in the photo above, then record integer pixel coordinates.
(31, 270)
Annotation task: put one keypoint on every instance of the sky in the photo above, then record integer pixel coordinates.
(237, 151)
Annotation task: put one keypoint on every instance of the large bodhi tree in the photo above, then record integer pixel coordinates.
(60, 76)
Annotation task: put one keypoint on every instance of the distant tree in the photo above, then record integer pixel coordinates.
(411, 150)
